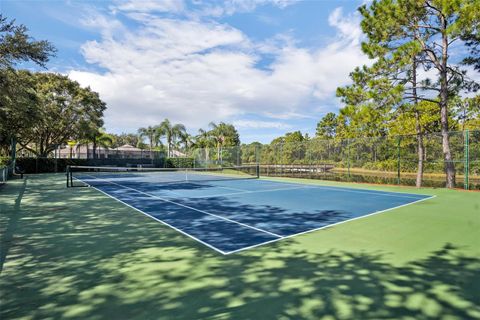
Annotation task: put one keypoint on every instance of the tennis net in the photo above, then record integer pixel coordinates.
(78, 176)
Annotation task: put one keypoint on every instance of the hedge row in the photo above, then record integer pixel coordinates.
(179, 163)
(47, 165)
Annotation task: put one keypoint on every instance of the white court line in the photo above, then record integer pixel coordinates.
(161, 221)
(246, 192)
(328, 226)
(266, 242)
(345, 189)
(192, 208)
(309, 186)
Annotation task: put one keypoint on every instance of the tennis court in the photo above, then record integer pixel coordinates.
(231, 209)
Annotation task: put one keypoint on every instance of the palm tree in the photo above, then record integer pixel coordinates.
(224, 135)
(171, 133)
(218, 135)
(99, 138)
(103, 140)
(204, 140)
(188, 142)
(150, 133)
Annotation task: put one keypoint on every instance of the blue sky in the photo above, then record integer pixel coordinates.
(269, 67)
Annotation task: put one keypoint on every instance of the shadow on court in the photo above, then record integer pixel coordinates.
(78, 254)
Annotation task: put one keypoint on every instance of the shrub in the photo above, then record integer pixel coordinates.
(179, 163)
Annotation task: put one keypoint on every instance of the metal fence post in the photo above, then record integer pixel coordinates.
(467, 160)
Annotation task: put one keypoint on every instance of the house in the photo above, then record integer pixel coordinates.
(124, 152)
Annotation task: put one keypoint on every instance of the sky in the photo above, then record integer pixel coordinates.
(268, 67)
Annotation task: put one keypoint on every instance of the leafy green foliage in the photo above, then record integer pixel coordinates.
(405, 36)
(18, 105)
(17, 46)
(179, 163)
(327, 127)
(172, 133)
(65, 112)
(467, 112)
(151, 134)
(4, 161)
(16, 93)
(125, 138)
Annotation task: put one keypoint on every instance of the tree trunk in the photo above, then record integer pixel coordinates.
(449, 166)
(13, 153)
(420, 150)
(94, 147)
(418, 127)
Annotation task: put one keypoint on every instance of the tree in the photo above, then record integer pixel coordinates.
(250, 152)
(422, 32)
(384, 90)
(188, 141)
(294, 137)
(467, 112)
(16, 94)
(224, 135)
(172, 133)
(150, 133)
(470, 33)
(65, 111)
(18, 106)
(98, 138)
(125, 138)
(327, 127)
(103, 140)
(17, 46)
(472, 41)
(204, 141)
(406, 122)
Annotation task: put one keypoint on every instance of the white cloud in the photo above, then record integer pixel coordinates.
(256, 124)
(150, 6)
(229, 7)
(108, 26)
(288, 115)
(194, 72)
(349, 26)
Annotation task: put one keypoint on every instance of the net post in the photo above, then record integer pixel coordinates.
(257, 168)
(68, 175)
(467, 160)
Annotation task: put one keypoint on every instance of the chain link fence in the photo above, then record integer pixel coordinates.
(385, 160)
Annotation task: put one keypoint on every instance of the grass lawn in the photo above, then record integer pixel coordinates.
(75, 253)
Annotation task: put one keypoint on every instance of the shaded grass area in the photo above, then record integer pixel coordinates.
(75, 253)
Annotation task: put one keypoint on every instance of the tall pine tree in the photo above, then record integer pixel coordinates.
(403, 36)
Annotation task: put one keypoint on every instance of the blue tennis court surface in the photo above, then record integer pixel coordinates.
(234, 215)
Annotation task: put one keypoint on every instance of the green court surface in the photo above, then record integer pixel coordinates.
(76, 253)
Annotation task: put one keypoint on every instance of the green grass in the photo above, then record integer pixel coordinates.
(75, 253)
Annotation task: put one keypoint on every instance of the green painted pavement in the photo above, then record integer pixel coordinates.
(74, 253)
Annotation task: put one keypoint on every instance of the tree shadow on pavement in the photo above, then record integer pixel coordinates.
(78, 254)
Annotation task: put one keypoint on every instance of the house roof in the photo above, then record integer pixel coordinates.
(127, 147)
